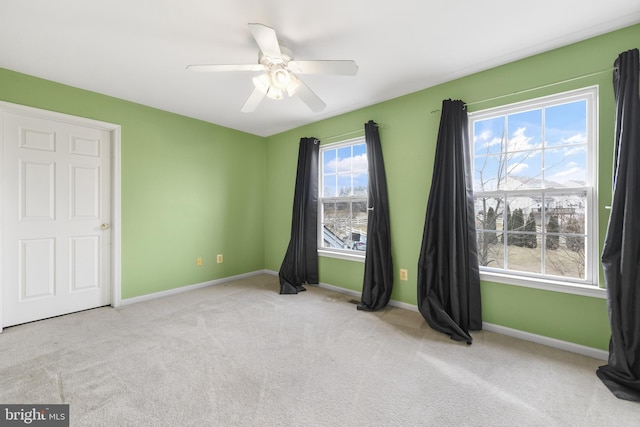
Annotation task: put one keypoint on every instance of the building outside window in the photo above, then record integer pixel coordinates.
(343, 195)
(535, 189)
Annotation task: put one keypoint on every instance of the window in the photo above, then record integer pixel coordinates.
(343, 198)
(534, 187)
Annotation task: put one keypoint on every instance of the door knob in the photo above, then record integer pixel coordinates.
(105, 226)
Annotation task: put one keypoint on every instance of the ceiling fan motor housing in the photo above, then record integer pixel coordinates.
(280, 77)
(279, 71)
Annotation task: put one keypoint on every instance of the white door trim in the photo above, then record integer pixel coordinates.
(116, 225)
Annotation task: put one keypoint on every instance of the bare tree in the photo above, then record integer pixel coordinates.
(495, 217)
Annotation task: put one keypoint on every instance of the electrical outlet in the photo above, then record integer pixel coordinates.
(404, 274)
(199, 262)
(220, 259)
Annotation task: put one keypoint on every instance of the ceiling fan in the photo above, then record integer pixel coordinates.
(280, 71)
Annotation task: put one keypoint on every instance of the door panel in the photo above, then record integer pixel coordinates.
(36, 190)
(36, 269)
(56, 195)
(85, 262)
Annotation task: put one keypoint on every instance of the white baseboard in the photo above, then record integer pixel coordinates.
(187, 288)
(549, 342)
(503, 330)
(357, 294)
(340, 290)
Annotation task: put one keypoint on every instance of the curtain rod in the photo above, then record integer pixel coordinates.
(608, 70)
(349, 133)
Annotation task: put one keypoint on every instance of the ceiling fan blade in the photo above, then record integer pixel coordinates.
(266, 39)
(310, 98)
(343, 68)
(252, 102)
(205, 68)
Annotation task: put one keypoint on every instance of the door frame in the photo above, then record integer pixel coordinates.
(116, 218)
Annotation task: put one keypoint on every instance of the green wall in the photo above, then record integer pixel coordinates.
(192, 189)
(408, 134)
(189, 188)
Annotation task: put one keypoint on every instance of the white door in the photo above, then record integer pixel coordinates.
(55, 218)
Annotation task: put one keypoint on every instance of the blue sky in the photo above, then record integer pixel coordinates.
(545, 143)
(343, 164)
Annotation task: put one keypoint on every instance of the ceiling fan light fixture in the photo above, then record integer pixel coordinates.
(275, 83)
(262, 82)
(275, 93)
(280, 77)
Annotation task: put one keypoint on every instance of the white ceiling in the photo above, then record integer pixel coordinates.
(138, 49)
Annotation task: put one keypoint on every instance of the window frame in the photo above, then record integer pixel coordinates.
(590, 285)
(339, 253)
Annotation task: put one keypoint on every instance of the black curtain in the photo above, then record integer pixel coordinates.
(448, 272)
(300, 264)
(621, 252)
(378, 265)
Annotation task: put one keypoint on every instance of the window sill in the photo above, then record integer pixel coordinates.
(545, 284)
(348, 256)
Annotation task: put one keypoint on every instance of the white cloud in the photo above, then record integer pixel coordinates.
(492, 142)
(486, 139)
(519, 141)
(484, 136)
(517, 168)
(572, 173)
(575, 139)
(358, 162)
(572, 165)
(573, 150)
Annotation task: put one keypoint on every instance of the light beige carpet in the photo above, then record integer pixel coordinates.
(241, 354)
